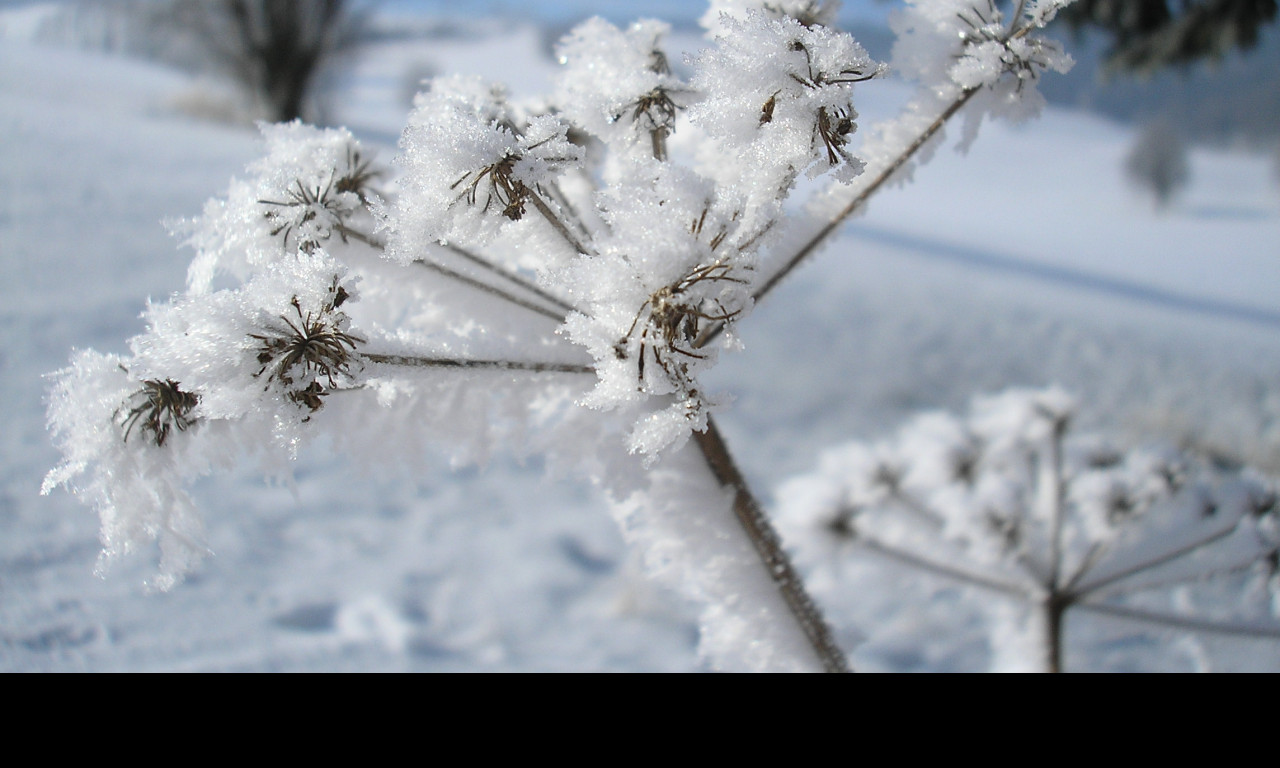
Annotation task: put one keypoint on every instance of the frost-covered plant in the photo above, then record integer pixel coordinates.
(551, 277)
(1008, 503)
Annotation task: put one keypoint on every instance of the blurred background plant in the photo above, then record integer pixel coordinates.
(1158, 163)
(1036, 526)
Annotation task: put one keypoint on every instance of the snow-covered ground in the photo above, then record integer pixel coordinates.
(1027, 262)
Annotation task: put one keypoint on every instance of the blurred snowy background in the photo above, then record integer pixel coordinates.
(1032, 260)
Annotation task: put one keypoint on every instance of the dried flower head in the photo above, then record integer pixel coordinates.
(359, 173)
(305, 206)
(510, 192)
(314, 347)
(159, 406)
(667, 326)
(654, 112)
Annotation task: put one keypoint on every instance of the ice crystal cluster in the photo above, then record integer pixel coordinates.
(551, 275)
(1009, 502)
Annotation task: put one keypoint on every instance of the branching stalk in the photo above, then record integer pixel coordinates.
(874, 186)
(853, 206)
(556, 224)
(769, 546)
(939, 569)
(1155, 562)
(1184, 622)
(1143, 586)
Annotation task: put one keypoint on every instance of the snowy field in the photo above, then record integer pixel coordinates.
(1028, 261)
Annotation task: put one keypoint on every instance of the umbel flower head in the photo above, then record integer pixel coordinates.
(780, 94)
(308, 355)
(471, 166)
(157, 408)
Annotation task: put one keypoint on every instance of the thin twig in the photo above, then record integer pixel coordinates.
(490, 289)
(1203, 575)
(556, 223)
(854, 205)
(1057, 513)
(415, 361)
(512, 277)
(1184, 622)
(769, 546)
(570, 210)
(1091, 558)
(356, 234)
(484, 263)
(914, 506)
(1155, 562)
(956, 574)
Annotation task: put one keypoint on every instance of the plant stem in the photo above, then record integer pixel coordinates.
(512, 277)
(913, 560)
(659, 136)
(490, 289)
(769, 546)
(1184, 622)
(557, 224)
(874, 186)
(1154, 562)
(1057, 515)
(414, 361)
(1055, 609)
(852, 207)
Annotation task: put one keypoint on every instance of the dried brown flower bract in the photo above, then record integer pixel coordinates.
(359, 174)
(159, 407)
(304, 204)
(308, 349)
(834, 128)
(654, 112)
(668, 324)
(509, 191)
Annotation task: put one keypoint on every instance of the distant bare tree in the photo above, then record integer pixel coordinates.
(276, 49)
(1275, 164)
(1158, 162)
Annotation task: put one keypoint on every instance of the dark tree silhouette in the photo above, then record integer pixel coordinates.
(276, 49)
(1147, 35)
(1158, 162)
